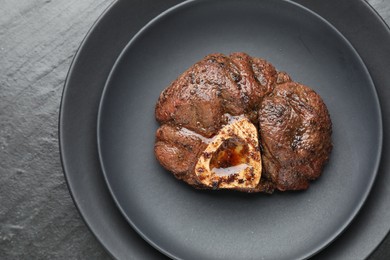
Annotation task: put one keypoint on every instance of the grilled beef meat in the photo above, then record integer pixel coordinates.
(295, 131)
(210, 116)
(213, 87)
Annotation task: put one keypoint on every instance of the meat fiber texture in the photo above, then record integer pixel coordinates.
(293, 124)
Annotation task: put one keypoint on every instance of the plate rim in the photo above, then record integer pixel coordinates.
(171, 11)
(60, 126)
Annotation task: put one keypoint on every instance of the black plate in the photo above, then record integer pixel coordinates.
(82, 93)
(189, 224)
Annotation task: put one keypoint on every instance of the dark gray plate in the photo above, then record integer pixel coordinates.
(186, 223)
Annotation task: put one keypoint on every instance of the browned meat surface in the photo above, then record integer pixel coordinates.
(223, 98)
(295, 131)
(216, 85)
(178, 151)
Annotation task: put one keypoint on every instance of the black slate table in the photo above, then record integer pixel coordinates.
(38, 39)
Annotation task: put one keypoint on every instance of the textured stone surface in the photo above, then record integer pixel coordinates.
(38, 39)
(37, 42)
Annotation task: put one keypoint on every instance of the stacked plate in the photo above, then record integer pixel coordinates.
(107, 130)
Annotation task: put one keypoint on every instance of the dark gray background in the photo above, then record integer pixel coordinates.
(38, 39)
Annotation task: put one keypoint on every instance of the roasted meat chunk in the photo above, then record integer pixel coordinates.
(295, 131)
(217, 85)
(234, 122)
